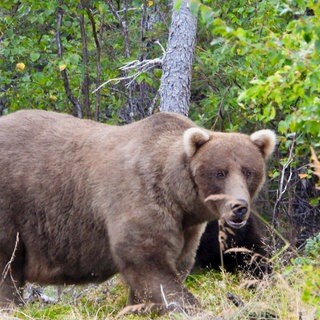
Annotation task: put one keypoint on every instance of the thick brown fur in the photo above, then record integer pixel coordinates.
(89, 200)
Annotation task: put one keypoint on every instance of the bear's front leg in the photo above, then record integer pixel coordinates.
(148, 265)
(157, 290)
(186, 260)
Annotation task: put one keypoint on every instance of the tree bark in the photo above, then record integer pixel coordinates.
(176, 69)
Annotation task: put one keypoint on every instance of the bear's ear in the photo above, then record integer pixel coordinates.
(265, 140)
(193, 139)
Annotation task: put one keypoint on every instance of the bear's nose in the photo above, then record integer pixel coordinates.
(240, 209)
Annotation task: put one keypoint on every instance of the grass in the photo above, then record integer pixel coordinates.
(291, 292)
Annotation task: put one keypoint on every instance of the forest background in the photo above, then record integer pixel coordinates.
(256, 65)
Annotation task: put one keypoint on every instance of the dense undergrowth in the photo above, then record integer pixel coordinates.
(291, 292)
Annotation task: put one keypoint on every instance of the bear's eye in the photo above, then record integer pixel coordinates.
(221, 173)
(247, 173)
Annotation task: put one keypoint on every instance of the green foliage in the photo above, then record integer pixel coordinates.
(306, 267)
(257, 66)
(310, 288)
(28, 32)
(54, 312)
(305, 278)
(290, 291)
(312, 247)
(311, 252)
(29, 39)
(293, 89)
(261, 66)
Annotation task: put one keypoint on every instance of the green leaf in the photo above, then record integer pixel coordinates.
(34, 56)
(272, 114)
(194, 6)
(177, 4)
(207, 14)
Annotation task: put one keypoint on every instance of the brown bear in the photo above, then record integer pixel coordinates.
(223, 247)
(81, 201)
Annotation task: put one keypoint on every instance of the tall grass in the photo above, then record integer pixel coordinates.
(291, 292)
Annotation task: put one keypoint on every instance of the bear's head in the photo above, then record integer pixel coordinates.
(228, 170)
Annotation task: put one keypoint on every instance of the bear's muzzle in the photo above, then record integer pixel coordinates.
(234, 211)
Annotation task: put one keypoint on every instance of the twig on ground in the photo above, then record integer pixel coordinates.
(175, 304)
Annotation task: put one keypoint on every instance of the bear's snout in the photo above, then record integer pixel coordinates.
(234, 211)
(240, 209)
(239, 213)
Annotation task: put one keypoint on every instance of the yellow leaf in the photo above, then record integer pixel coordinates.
(53, 98)
(150, 3)
(20, 66)
(316, 165)
(303, 175)
(62, 67)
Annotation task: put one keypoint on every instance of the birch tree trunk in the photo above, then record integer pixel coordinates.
(176, 69)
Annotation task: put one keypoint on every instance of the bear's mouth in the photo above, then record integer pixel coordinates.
(236, 224)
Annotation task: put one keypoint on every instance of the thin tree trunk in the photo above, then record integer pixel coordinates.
(85, 60)
(176, 70)
(71, 97)
(97, 36)
(123, 24)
